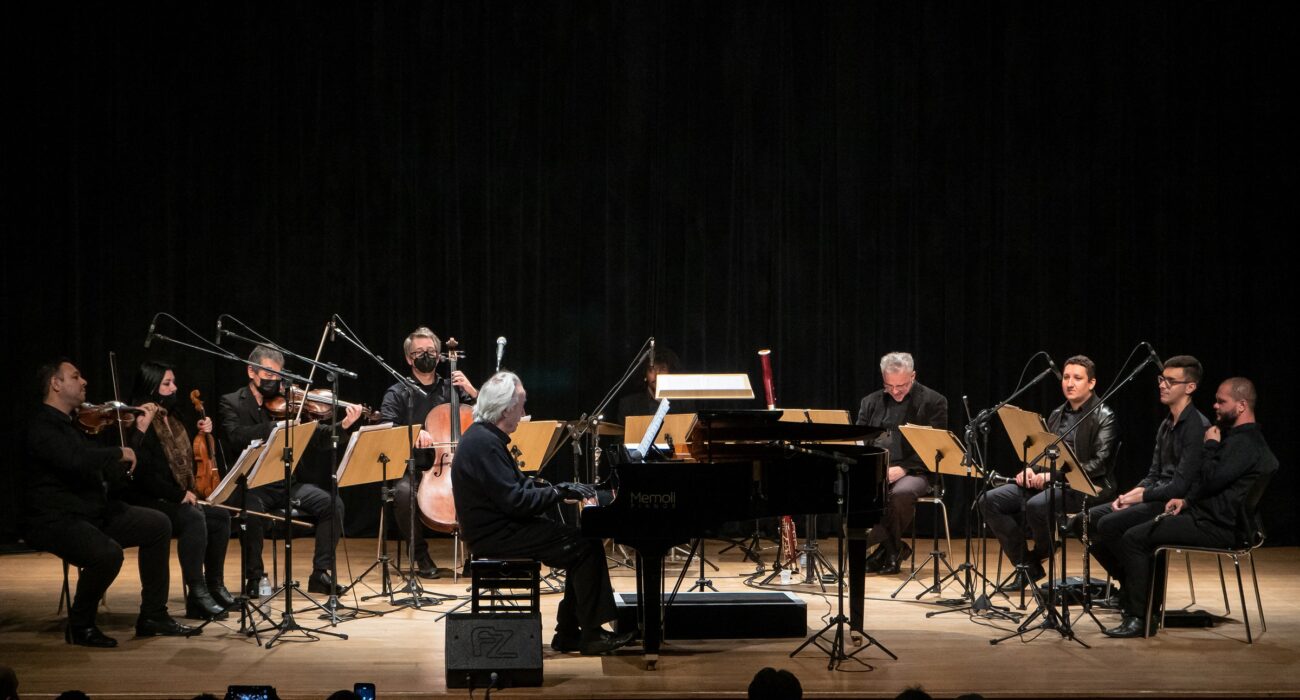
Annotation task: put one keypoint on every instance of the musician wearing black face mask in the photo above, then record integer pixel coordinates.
(165, 482)
(421, 349)
(244, 418)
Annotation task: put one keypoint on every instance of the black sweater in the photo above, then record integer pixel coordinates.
(490, 491)
(1230, 469)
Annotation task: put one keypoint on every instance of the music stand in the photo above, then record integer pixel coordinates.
(235, 483)
(533, 444)
(941, 453)
(365, 461)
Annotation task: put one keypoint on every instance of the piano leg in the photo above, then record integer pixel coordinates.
(857, 552)
(650, 600)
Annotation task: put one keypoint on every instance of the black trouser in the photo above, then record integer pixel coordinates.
(202, 536)
(403, 489)
(311, 499)
(96, 548)
(1107, 528)
(588, 596)
(1141, 540)
(900, 511)
(1007, 511)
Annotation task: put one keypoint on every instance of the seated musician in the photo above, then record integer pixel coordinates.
(66, 512)
(902, 400)
(1235, 458)
(500, 512)
(164, 481)
(1174, 462)
(642, 401)
(1009, 508)
(244, 418)
(402, 406)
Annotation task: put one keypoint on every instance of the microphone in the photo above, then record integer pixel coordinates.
(1052, 366)
(652, 352)
(1160, 365)
(333, 327)
(149, 338)
(501, 350)
(219, 329)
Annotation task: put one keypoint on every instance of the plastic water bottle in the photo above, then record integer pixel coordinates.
(264, 586)
(785, 577)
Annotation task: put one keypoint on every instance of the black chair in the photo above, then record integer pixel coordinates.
(1251, 536)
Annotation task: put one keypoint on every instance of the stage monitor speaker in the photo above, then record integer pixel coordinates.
(480, 644)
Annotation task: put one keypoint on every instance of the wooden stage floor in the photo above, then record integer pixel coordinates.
(402, 652)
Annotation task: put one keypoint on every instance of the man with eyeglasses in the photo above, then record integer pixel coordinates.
(1234, 467)
(1174, 463)
(422, 350)
(902, 400)
(1006, 508)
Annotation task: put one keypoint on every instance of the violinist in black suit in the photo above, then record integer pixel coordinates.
(66, 511)
(244, 418)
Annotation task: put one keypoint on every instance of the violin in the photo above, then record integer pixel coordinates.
(319, 403)
(94, 418)
(445, 423)
(206, 476)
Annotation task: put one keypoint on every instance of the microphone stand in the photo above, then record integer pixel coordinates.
(977, 434)
(411, 584)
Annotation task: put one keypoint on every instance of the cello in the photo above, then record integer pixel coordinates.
(206, 476)
(445, 423)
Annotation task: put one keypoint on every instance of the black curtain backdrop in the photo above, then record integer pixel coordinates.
(970, 181)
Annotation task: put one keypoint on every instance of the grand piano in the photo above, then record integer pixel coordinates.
(745, 464)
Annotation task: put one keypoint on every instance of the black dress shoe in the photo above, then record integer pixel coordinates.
(221, 595)
(1022, 579)
(602, 642)
(200, 605)
(427, 568)
(88, 637)
(566, 643)
(320, 582)
(1130, 627)
(877, 559)
(163, 626)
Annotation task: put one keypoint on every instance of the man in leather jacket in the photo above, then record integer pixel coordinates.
(1008, 509)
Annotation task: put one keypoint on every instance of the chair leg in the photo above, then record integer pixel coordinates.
(65, 595)
(1224, 586)
(1187, 559)
(1259, 602)
(1241, 591)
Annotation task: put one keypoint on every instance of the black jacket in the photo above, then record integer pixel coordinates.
(66, 473)
(241, 421)
(153, 479)
(1094, 445)
(1229, 469)
(925, 407)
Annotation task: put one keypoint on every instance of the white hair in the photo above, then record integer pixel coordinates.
(495, 397)
(896, 362)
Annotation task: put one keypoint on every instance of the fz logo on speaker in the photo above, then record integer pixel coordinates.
(491, 643)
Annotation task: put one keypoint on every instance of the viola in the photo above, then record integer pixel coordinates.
(94, 418)
(206, 476)
(445, 423)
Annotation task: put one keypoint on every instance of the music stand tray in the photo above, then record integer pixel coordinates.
(534, 443)
(369, 449)
(1030, 438)
(301, 435)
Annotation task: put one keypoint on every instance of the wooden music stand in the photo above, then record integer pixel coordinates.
(830, 416)
(302, 434)
(676, 426)
(534, 443)
(1030, 437)
(230, 482)
(375, 453)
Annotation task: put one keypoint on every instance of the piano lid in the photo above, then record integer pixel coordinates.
(759, 425)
